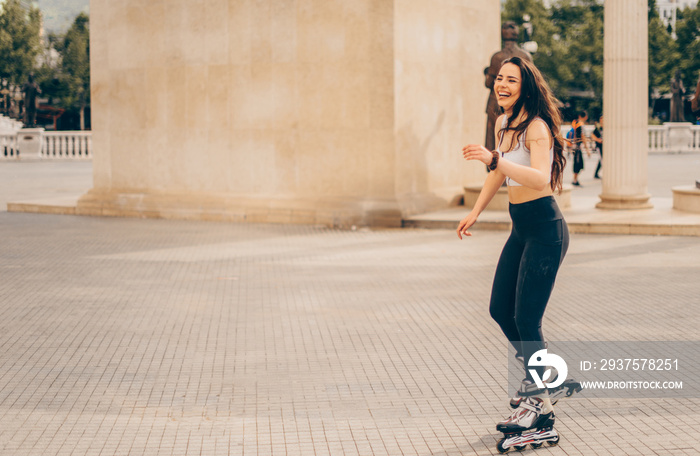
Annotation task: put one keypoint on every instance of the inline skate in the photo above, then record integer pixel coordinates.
(527, 425)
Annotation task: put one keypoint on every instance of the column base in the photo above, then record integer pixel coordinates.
(618, 202)
(686, 198)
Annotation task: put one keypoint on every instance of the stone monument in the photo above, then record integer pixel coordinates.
(677, 93)
(282, 112)
(31, 90)
(680, 135)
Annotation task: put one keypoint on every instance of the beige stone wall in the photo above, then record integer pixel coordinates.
(307, 110)
(442, 48)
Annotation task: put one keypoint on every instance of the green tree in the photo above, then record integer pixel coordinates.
(19, 41)
(76, 65)
(570, 47)
(580, 26)
(663, 54)
(688, 33)
(68, 83)
(651, 9)
(544, 34)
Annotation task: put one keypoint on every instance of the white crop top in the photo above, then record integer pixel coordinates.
(520, 154)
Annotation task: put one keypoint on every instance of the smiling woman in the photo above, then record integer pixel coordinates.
(508, 86)
(529, 154)
(529, 159)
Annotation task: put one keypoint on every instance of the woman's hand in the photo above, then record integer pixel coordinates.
(465, 224)
(477, 152)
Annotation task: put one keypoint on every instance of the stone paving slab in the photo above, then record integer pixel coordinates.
(161, 337)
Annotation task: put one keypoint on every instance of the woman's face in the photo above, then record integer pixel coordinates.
(507, 86)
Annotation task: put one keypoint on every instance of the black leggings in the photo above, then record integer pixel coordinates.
(526, 272)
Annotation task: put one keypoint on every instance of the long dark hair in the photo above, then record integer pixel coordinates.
(537, 100)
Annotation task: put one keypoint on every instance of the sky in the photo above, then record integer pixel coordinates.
(59, 14)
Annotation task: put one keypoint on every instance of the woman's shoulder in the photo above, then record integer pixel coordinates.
(537, 131)
(538, 128)
(500, 120)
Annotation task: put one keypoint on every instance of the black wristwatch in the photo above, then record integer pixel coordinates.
(494, 161)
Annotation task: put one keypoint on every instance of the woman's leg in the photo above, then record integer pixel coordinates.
(578, 165)
(543, 253)
(503, 292)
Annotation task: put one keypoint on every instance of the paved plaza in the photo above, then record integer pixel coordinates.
(161, 337)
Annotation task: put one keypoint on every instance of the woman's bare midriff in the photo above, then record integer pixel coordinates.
(518, 195)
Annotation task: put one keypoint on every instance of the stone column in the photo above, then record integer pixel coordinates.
(625, 106)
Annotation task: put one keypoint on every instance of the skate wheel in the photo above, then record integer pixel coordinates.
(520, 447)
(535, 445)
(500, 448)
(553, 442)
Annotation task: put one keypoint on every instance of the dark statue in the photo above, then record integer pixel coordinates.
(677, 92)
(31, 90)
(509, 35)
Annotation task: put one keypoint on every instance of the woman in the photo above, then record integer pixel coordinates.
(579, 144)
(530, 160)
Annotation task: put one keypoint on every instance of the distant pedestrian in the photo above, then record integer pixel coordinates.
(597, 137)
(579, 143)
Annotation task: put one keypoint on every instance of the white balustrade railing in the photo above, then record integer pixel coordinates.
(674, 138)
(695, 145)
(54, 145)
(8, 145)
(66, 144)
(658, 138)
(78, 144)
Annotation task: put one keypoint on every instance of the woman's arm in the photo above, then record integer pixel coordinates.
(535, 176)
(493, 182)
